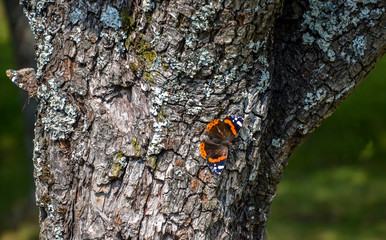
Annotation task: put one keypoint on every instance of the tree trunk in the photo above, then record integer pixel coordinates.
(126, 89)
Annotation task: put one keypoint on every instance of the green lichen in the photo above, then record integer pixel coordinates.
(145, 57)
(149, 77)
(136, 143)
(120, 163)
(165, 66)
(142, 49)
(163, 115)
(153, 163)
(128, 43)
(118, 157)
(164, 209)
(116, 169)
(210, 205)
(127, 20)
(149, 56)
(148, 16)
(139, 46)
(134, 65)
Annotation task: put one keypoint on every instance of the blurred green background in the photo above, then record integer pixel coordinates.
(334, 187)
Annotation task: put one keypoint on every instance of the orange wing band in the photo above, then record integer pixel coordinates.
(229, 122)
(212, 124)
(202, 150)
(219, 159)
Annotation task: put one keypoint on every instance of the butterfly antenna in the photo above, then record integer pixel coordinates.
(25, 104)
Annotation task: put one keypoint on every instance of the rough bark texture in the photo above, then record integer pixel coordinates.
(126, 89)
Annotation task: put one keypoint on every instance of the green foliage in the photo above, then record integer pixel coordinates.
(334, 186)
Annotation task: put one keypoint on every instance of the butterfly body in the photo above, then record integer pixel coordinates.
(219, 136)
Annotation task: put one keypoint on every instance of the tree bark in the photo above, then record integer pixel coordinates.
(126, 89)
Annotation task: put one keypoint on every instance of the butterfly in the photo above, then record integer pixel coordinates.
(25, 79)
(218, 140)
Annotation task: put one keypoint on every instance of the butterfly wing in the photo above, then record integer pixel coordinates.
(215, 155)
(220, 130)
(25, 79)
(235, 123)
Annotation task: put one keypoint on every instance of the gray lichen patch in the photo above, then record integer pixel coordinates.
(34, 11)
(264, 82)
(359, 45)
(254, 46)
(116, 37)
(43, 53)
(111, 18)
(160, 133)
(277, 142)
(78, 12)
(59, 232)
(202, 18)
(327, 20)
(312, 99)
(42, 171)
(147, 5)
(60, 116)
(191, 63)
(76, 15)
